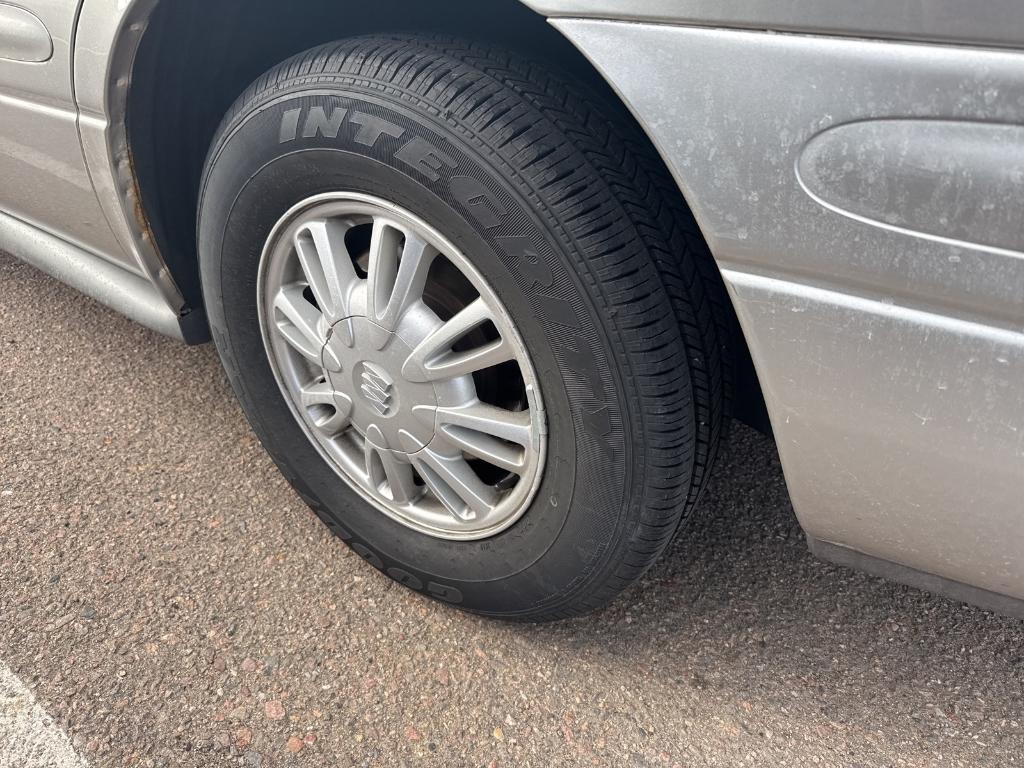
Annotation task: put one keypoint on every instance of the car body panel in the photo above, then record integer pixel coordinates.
(45, 179)
(130, 294)
(47, 82)
(737, 156)
(854, 193)
(108, 36)
(63, 150)
(901, 432)
(994, 22)
(942, 180)
(883, 305)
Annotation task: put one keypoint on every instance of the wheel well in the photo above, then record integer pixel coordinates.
(197, 56)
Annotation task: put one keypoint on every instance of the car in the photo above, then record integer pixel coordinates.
(491, 280)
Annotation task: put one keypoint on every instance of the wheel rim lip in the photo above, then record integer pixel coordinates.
(278, 247)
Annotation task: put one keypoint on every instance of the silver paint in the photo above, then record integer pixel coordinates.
(48, 83)
(109, 32)
(901, 432)
(881, 306)
(953, 181)
(23, 37)
(733, 145)
(992, 22)
(43, 178)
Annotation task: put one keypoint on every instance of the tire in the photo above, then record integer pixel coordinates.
(572, 225)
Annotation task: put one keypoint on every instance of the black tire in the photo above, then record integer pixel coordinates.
(615, 297)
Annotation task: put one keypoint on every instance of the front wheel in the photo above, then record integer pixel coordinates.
(473, 351)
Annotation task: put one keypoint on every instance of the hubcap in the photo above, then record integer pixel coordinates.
(402, 366)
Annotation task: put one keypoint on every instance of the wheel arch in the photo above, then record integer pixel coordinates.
(170, 48)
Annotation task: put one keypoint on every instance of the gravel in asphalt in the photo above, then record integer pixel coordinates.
(171, 602)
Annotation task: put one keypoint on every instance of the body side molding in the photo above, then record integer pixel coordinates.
(909, 176)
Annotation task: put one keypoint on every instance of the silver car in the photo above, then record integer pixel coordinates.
(490, 279)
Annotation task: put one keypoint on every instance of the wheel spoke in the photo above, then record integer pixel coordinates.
(334, 411)
(326, 263)
(498, 436)
(396, 280)
(434, 358)
(455, 484)
(464, 363)
(323, 393)
(332, 424)
(384, 468)
(513, 426)
(301, 324)
(509, 457)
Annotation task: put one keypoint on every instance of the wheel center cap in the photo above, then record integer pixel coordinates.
(365, 361)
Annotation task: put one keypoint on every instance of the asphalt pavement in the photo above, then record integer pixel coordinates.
(167, 600)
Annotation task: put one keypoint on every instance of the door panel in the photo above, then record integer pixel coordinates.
(43, 176)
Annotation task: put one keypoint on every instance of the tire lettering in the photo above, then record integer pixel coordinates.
(421, 156)
(529, 264)
(289, 125)
(527, 260)
(372, 128)
(581, 360)
(446, 593)
(479, 200)
(599, 424)
(576, 352)
(317, 122)
(440, 591)
(405, 578)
